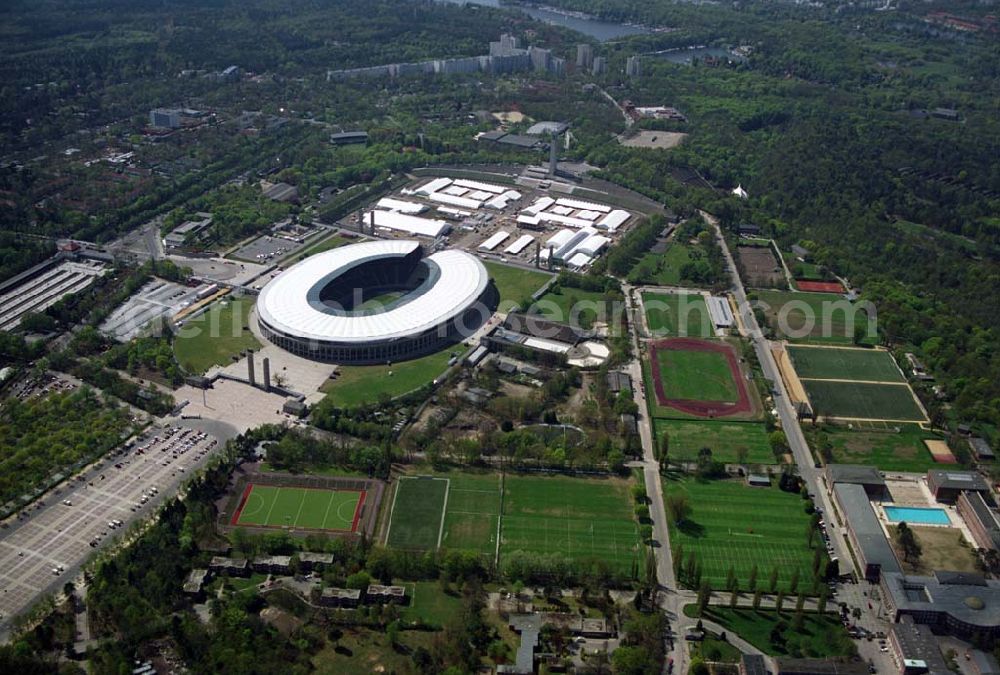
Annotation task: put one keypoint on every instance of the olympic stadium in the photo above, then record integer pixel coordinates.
(376, 302)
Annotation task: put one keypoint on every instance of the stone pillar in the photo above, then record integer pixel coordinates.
(250, 376)
(267, 374)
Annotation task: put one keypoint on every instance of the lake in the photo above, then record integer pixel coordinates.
(595, 28)
(686, 56)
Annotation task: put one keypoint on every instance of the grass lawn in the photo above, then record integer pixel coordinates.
(813, 317)
(356, 385)
(215, 336)
(362, 651)
(686, 438)
(430, 604)
(574, 517)
(863, 400)
(305, 508)
(732, 525)
(942, 548)
(889, 451)
(574, 306)
(677, 315)
(417, 512)
(716, 651)
(845, 364)
(515, 283)
(668, 265)
(821, 636)
(333, 241)
(698, 376)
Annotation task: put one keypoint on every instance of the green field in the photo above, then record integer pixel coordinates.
(863, 400)
(215, 336)
(515, 283)
(299, 508)
(845, 364)
(666, 267)
(889, 451)
(732, 525)
(559, 306)
(574, 517)
(357, 385)
(686, 438)
(666, 317)
(821, 636)
(333, 241)
(471, 503)
(813, 317)
(697, 376)
(429, 604)
(470, 522)
(417, 513)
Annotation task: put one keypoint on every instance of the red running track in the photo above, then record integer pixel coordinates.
(694, 407)
(820, 286)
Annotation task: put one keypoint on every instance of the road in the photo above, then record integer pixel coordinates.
(671, 599)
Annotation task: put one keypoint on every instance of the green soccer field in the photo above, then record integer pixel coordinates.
(677, 315)
(862, 400)
(471, 506)
(887, 449)
(686, 438)
(417, 513)
(696, 376)
(574, 517)
(845, 364)
(299, 508)
(814, 317)
(732, 525)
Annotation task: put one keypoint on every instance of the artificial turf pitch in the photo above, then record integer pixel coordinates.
(299, 508)
(733, 525)
(862, 400)
(677, 315)
(825, 363)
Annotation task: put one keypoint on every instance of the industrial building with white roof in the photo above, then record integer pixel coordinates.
(319, 308)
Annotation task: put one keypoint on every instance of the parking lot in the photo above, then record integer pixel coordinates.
(45, 545)
(267, 249)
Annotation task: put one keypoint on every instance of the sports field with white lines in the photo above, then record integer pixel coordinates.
(299, 508)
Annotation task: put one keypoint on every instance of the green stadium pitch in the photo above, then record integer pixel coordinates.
(299, 508)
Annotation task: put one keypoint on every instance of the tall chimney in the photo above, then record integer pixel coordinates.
(250, 376)
(267, 374)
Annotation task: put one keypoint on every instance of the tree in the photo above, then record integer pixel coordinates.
(664, 457)
(734, 598)
(772, 581)
(704, 596)
(779, 602)
(752, 581)
(698, 666)
(678, 506)
(793, 583)
(821, 602)
(756, 599)
(907, 541)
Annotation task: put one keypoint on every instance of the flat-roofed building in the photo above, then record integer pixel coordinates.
(275, 564)
(380, 595)
(946, 485)
(308, 560)
(981, 448)
(789, 666)
(234, 567)
(752, 664)
(915, 649)
(196, 580)
(873, 552)
(867, 476)
(980, 519)
(963, 604)
(340, 597)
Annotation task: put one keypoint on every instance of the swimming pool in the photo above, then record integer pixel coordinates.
(913, 515)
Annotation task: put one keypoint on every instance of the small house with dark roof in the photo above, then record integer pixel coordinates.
(981, 448)
(856, 474)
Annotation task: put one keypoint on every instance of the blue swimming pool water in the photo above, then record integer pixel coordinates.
(919, 516)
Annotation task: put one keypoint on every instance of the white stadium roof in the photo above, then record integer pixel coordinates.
(284, 303)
